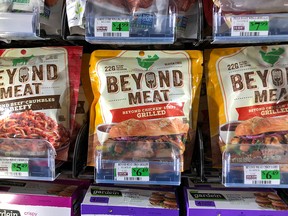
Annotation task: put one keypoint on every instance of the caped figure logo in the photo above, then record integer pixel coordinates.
(271, 57)
(147, 62)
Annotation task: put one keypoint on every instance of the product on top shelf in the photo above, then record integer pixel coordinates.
(250, 21)
(38, 99)
(50, 19)
(75, 16)
(188, 16)
(256, 6)
(145, 104)
(130, 22)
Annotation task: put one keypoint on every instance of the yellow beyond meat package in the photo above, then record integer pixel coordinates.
(150, 96)
(248, 101)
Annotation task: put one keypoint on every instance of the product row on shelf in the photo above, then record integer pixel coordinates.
(79, 197)
(145, 22)
(145, 107)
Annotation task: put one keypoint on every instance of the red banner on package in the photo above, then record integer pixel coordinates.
(148, 112)
(267, 110)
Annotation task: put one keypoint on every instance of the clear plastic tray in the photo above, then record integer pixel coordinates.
(255, 6)
(19, 26)
(255, 165)
(107, 22)
(163, 167)
(249, 28)
(29, 159)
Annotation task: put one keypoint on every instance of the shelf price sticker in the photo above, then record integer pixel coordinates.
(136, 171)
(14, 167)
(262, 174)
(112, 27)
(250, 26)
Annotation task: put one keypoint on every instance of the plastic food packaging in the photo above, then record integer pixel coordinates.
(188, 19)
(75, 16)
(130, 22)
(247, 99)
(142, 98)
(39, 92)
(250, 21)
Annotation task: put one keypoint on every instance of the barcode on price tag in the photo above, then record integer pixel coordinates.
(250, 26)
(262, 174)
(11, 167)
(138, 171)
(112, 27)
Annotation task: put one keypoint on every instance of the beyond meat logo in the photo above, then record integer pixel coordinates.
(147, 62)
(26, 80)
(22, 60)
(144, 86)
(271, 57)
(6, 212)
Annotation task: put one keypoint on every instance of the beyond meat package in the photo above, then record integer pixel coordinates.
(247, 98)
(129, 21)
(38, 98)
(145, 105)
(250, 21)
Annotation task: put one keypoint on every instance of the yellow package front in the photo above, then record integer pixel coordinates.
(247, 99)
(150, 96)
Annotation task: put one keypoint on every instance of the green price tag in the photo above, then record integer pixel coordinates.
(120, 26)
(20, 167)
(270, 174)
(142, 171)
(259, 26)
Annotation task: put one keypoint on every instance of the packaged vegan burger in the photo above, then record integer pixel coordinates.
(144, 101)
(38, 98)
(248, 103)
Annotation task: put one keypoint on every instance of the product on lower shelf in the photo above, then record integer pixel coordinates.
(102, 200)
(208, 202)
(61, 197)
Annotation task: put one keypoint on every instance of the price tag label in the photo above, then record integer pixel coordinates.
(259, 26)
(112, 27)
(14, 167)
(20, 167)
(138, 171)
(249, 26)
(262, 174)
(120, 26)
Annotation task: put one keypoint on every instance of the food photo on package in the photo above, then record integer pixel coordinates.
(247, 100)
(38, 98)
(145, 104)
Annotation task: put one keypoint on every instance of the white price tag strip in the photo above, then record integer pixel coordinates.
(262, 174)
(138, 171)
(112, 27)
(247, 26)
(14, 167)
